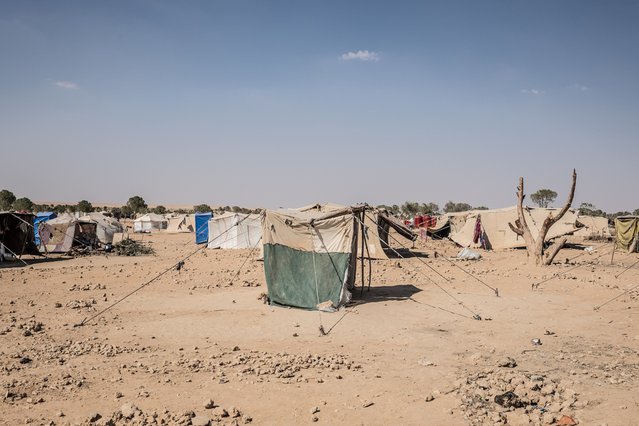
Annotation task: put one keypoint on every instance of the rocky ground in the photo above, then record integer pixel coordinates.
(199, 346)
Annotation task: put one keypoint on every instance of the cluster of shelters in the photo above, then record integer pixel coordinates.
(490, 229)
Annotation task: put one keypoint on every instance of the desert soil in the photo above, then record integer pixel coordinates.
(192, 347)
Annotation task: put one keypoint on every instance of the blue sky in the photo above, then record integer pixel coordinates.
(274, 104)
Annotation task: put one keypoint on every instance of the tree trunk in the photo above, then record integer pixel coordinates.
(535, 245)
(555, 249)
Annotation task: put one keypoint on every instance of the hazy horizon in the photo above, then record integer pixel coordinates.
(283, 104)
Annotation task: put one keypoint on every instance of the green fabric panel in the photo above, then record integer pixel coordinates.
(627, 229)
(291, 280)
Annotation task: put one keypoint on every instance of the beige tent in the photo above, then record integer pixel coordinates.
(180, 223)
(593, 226)
(106, 226)
(150, 222)
(377, 226)
(64, 232)
(496, 234)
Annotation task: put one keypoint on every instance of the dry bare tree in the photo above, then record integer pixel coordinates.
(535, 244)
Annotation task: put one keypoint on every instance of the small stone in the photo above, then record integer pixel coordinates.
(221, 412)
(128, 410)
(315, 410)
(118, 395)
(429, 397)
(59, 414)
(95, 417)
(367, 404)
(315, 419)
(235, 413)
(247, 419)
(507, 362)
(236, 348)
(208, 404)
(200, 421)
(566, 421)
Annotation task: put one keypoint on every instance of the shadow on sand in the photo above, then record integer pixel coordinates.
(387, 293)
(30, 262)
(404, 253)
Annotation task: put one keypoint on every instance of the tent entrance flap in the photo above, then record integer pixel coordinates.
(292, 274)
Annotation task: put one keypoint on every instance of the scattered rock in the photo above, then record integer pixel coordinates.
(367, 404)
(208, 404)
(507, 362)
(566, 421)
(128, 410)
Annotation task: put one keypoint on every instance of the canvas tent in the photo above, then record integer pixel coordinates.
(16, 235)
(150, 222)
(627, 233)
(593, 226)
(234, 231)
(448, 223)
(41, 217)
(310, 256)
(61, 234)
(180, 223)
(489, 228)
(202, 227)
(106, 227)
(377, 226)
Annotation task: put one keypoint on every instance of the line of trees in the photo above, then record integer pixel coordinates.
(137, 205)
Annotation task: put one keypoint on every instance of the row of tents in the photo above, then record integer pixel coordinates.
(310, 254)
(490, 229)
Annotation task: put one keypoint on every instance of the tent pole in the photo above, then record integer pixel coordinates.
(614, 246)
(362, 253)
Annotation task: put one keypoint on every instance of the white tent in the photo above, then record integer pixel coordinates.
(235, 231)
(180, 223)
(150, 222)
(106, 226)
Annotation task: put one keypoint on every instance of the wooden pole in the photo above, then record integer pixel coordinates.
(362, 251)
(613, 252)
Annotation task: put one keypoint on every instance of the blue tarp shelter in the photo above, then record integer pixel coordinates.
(41, 217)
(202, 227)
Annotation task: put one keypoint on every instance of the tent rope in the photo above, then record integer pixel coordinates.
(626, 269)
(248, 256)
(536, 285)
(179, 264)
(452, 262)
(319, 312)
(596, 308)
(14, 255)
(459, 302)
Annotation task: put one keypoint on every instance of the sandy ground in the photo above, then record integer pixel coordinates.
(403, 353)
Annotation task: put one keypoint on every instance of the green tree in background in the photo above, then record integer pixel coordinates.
(159, 209)
(543, 197)
(7, 198)
(452, 207)
(137, 204)
(85, 207)
(202, 208)
(23, 204)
